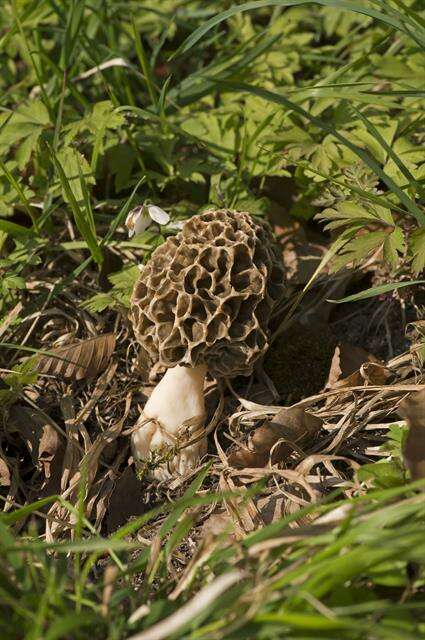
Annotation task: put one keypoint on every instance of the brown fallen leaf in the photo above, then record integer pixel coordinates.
(4, 472)
(40, 437)
(412, 409)
(375, 373)
(301, 260)
(84, 359)
(345, 366)
(217, 524)
(271, 508)
(275, 439)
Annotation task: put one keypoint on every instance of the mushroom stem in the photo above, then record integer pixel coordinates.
(177, 399)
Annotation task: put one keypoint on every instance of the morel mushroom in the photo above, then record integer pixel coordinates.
(201, 304)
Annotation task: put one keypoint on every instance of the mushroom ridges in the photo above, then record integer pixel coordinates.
(206, 294)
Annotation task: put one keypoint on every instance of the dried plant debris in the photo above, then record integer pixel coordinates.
(353, 366)
(41, 438)
(417, 337)
(275, 440)
(4, 472)
(413, 410)
(301, 259)
(84, 359)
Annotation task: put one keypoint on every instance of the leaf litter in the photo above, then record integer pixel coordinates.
(271, 461)
(301, 452)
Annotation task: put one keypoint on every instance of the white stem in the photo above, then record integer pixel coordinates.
(179, 397)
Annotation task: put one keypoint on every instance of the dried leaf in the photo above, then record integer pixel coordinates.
(4, 472)
(301, 260)
(218, 523)
(345, 366)
(73, 454)
(275, 439)
(40, 437)
(412, 409)
(375, 373)
(185, 613)
(109, 578)
(271, 508)
(241, 509)
(77, 361)
(10, 318)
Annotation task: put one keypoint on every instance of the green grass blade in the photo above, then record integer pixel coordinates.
(122, 214)
(15, 185)
(84, 226)
(199, 33)
(387, 148)
(377, 291)
(145, 65)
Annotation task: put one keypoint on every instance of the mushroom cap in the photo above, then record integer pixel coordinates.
(206, 294)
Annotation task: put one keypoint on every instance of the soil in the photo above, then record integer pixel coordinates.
(298, 362)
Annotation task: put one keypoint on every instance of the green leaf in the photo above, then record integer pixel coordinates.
(121, 160)
(27, 148)
(417, 248)
(105, 116)
(23, 130)
(396, 438)
(393, 246)
(13, 229)
(385, 144)
(271, 96)
(28, 118)
(377, 291)
(12, 282)
(126, 278)
(360, 247)
(21, 193)
(123, 283)
(383, 474)
(99, 302)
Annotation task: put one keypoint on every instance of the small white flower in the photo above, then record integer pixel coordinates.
(139, 218)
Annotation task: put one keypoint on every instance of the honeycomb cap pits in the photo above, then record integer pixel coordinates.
(206, 294)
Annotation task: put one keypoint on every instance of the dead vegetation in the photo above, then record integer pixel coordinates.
(70, 428)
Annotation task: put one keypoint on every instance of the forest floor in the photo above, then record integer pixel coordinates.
(305, 519)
